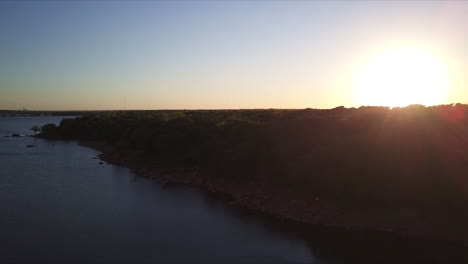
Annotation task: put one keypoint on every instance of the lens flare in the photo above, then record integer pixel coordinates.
(400, 77)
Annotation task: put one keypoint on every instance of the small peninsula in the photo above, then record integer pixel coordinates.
(398, 170)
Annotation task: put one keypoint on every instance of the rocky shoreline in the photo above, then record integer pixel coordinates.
(273, 201)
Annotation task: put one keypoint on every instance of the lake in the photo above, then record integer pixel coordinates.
(59, 205)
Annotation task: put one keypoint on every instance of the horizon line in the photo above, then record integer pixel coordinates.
(218, 109)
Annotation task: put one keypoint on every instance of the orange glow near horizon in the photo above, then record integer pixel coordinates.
(400, 77)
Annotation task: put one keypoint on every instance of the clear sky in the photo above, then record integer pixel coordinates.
(208, 54)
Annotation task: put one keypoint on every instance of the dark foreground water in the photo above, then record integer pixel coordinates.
(58, 205)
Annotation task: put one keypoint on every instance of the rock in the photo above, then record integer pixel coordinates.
(6, 136)
(100, 163)
(30, 146)
(15, 135)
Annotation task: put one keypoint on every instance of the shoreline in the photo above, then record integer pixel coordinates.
(272, 201)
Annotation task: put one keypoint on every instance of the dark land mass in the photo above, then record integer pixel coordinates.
(402, 171)
(74, 113)
(7, 113)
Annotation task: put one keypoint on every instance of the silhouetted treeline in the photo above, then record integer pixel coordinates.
(415, 157)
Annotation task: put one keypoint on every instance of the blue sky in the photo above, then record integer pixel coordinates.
(207, 54)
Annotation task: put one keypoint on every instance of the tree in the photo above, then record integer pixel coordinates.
(35, 129)
(49, 131)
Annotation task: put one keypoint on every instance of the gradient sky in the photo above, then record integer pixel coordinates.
(207, 54)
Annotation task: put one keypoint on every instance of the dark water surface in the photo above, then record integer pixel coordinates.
(58, 205)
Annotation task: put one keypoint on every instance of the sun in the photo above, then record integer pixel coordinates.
(400, 77)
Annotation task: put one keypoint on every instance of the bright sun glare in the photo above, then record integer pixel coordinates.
(400, 77)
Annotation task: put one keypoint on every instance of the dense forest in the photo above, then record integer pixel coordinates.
(412, 157)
